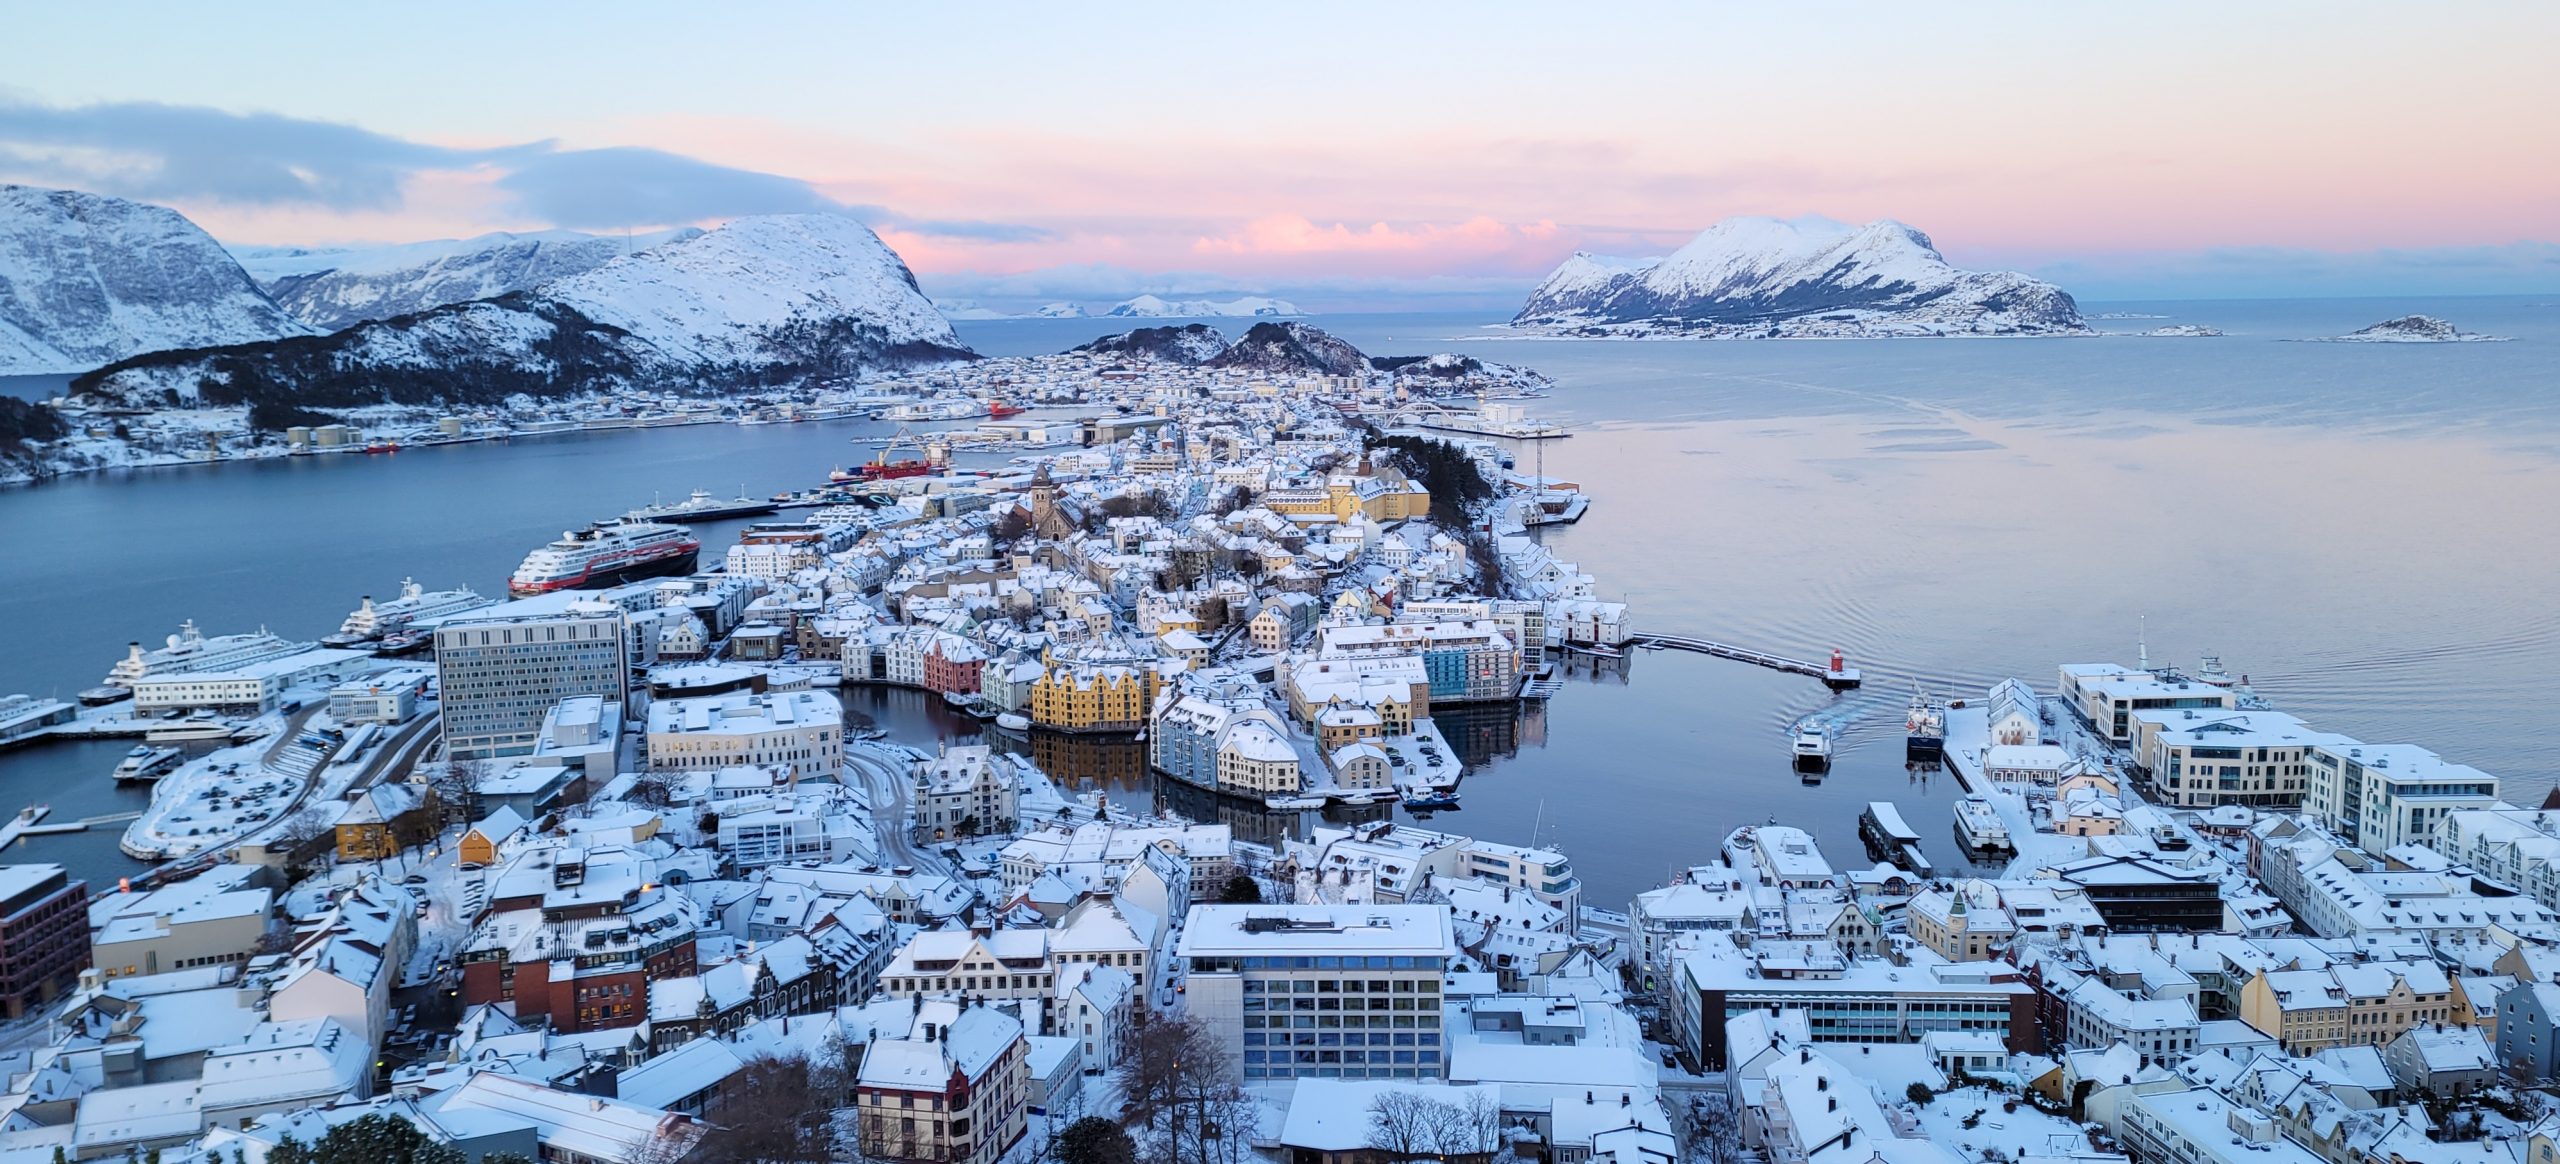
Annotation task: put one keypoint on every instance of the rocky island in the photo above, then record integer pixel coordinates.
(2411, 329)
(1750, 278)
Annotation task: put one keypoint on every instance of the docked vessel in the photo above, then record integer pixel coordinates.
(371, 620)
(203, 725)
(382, 446)
(999, 409)
(189, 650)
(1979, 826)
(702, 506)
(1889, 839)
(147, 763)
(1812, 746)
(1426, 800)
(606, 555)
(2210, 672)
(1925, 727)
(1013, 721)
(881, 468)
(1493, 419)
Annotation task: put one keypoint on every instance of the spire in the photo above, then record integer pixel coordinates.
(2142, 637)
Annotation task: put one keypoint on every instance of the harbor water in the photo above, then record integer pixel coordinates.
(2360, 528)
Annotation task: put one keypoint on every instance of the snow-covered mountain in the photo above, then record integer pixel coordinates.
(1151, 307)
(1293, 348)
(1799, 277)
(86, 280)
(333, 288)
(780, 296)
(1191, 343)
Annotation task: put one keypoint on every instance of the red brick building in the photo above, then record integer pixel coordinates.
(952, 666)
(44, 934)
(577, 938)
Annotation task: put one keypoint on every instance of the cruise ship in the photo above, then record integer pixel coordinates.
(370, 621)
(189, 650)
(603, 555)
(702, 506)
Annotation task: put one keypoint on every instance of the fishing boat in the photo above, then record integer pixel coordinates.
(1426, 800)
(1925, 727)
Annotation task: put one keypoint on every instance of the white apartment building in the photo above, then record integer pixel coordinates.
(497, 677)
(800, 730)
(2106, 696)
(2381, 796)
(2204, 758)
(1329, 991)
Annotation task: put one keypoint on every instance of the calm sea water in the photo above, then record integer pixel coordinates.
(2363, 529)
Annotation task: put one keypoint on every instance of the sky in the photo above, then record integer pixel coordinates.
(1407, 154)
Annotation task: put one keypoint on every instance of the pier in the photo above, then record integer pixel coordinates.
(18, 825)
(1838, 676)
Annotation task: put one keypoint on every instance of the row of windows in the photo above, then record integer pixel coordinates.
(1320, 962)
(1313, 1057)
(1331, 1039)
(1329, 1022)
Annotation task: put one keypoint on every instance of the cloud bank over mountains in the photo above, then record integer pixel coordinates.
(256, 177)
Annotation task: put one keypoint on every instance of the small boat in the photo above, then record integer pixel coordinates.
(147, 763)
(403, 641)
(1000, 409)
(1811, 746)
(1012, 721)
(2211, 673)
(381, 447)
(1426, 801)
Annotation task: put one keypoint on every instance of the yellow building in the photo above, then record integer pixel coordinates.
(385, 820)
(2356, 1004)
(1107, 698)
(1380, 499)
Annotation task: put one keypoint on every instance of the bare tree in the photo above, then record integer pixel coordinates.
(1164, 1059)
(1404, 1124)
(652, 790)
(301, 830)
(456, 784)
(771, 1113)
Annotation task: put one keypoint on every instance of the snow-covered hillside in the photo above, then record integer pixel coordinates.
(1799, 277)
(1293, 349)
(801, 296)
(1191, 343)
(333, 288)
(86, 280)
(725, 296)
(1151, 307)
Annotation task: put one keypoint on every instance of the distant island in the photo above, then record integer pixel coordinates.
(1151, 307)
(1808, 278)
(2410, 329)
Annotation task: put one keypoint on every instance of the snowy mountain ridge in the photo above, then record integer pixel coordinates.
(86, 280)
(803, 296)
(333, 288)
(1746, 277)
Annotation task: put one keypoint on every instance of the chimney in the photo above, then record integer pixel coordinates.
(1822, 1083)
(1833, 1104)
